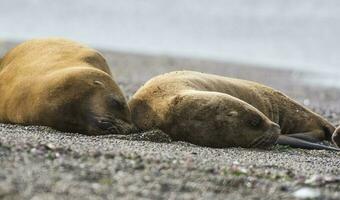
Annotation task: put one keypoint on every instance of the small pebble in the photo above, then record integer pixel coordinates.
(50, 146)
(307, 193)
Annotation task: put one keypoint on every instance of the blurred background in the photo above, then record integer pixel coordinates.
(299, 35)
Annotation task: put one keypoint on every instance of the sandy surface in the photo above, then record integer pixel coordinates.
(41, 163)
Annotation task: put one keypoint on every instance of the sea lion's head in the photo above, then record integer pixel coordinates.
(219, 120)
(90, 102)
(250, 128)
(108, 111)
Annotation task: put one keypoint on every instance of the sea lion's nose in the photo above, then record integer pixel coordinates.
(275, 128)
(104, 124)
(275, 125)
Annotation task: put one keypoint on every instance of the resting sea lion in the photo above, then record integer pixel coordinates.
(216, 111)
(61, 84)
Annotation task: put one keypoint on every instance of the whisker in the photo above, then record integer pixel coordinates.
(256, 142)
(262, 142)
(268, 140)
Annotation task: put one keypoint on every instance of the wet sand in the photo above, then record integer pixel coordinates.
(41, 163)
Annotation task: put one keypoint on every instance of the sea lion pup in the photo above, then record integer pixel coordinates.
(64, 85)
(216, 111)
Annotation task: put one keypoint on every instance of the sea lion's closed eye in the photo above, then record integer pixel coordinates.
(255, 122)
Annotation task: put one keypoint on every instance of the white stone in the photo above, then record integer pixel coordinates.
(307, 193)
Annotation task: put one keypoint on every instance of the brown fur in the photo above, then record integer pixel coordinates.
(217, 111)
(61, 84)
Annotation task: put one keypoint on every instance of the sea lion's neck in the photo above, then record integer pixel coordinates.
(295, 118)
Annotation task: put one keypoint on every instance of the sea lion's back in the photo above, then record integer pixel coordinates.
(42, 55)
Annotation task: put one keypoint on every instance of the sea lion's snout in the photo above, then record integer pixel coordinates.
(268, 138)
(106, 126)
(336, 137)
(274, 129)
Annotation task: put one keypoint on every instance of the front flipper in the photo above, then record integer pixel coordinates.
(303, 144)
(307, 136)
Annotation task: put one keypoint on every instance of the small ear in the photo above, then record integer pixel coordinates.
(98, 83)
(232, 114)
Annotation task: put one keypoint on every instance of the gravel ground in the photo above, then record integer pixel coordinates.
(41, 163)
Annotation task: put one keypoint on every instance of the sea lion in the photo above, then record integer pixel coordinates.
(216, 111)
(62, 84)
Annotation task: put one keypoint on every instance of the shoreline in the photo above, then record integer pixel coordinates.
(308, 77)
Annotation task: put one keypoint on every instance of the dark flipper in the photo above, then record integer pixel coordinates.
(308, 136)
(299, 143)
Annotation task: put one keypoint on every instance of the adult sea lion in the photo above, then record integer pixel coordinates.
(216, 111)
(62, 84)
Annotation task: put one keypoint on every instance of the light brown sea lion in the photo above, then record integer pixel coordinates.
(216, 111)
(61, 84)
